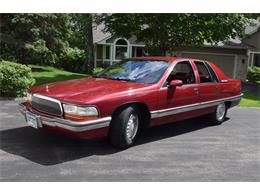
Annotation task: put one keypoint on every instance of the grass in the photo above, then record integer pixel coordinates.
(250, 100)
(47, 74)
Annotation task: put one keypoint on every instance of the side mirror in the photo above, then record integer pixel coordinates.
(175, 83)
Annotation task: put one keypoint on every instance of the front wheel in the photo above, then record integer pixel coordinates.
(124, 127)
(219, 115)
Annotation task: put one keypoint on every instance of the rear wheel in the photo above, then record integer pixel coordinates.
(124, 127)
(219, 115)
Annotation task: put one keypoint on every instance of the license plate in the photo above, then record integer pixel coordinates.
(32, 120)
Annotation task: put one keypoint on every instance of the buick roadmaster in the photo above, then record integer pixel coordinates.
(131, 95)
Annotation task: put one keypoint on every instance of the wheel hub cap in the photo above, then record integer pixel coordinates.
(221, 111)
(132, 126)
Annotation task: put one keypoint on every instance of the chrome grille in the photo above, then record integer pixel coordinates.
(46, 105)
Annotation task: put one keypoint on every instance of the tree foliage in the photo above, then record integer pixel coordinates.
(164, 32)
(66, 40)
(34, 38)
(47, 39)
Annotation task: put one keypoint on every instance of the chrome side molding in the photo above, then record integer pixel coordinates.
(190, 107)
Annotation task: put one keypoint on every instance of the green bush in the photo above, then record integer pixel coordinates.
(253, 74)
(15, 79)
(39, 53)
(97, 70)
(72, 59)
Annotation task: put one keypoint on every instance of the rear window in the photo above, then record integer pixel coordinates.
(213, 74)
(205, 76)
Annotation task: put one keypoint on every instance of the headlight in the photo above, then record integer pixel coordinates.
(79, 111)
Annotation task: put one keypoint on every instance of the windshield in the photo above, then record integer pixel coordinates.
(140, 71)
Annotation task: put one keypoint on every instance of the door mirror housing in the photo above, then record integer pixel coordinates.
(175, 83)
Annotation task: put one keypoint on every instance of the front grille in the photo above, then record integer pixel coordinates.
(46, 104)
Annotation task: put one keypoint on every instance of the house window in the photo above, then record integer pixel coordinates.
(121, 49)
(107, 52)
(137, 51)
(99, 51)
(256, 60)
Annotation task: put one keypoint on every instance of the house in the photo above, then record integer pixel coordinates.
(232, 56)
(110, 49)
(253, 39)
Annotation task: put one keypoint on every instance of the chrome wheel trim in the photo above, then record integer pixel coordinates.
(220, 112)
(132, 126)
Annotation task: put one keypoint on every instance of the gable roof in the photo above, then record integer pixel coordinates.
(100, 36)
(250, 30)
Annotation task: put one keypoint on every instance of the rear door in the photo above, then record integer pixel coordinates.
(209, 86)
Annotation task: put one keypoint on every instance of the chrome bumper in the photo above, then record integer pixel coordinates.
(69, 125)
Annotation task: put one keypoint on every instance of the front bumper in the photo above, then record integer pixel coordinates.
(69, 125)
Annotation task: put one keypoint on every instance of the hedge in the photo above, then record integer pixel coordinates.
(253, 74)
(15, 79)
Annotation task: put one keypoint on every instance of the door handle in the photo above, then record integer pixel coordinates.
(196, 90)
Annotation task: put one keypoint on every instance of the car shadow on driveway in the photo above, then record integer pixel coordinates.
(48, 150)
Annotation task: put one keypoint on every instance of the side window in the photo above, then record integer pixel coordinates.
(213, 74)
(182, 71)
(204, 74)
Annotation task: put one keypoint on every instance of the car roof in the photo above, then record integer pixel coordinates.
(164, 58)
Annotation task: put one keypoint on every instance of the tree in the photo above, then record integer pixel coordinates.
(165, 32)
(59, 40)
(34, 38)
(83, 37)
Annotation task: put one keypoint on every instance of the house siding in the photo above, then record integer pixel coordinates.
(253, 40)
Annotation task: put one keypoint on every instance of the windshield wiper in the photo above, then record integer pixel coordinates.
(113, 78)
(123, 79)
(100, 76)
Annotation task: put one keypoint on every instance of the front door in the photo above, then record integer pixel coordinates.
(177, 100)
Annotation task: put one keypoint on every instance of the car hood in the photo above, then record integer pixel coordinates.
(86, 90)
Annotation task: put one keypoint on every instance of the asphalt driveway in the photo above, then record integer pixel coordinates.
(190, 150)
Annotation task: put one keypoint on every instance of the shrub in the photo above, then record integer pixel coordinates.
(72, 59)
(39, 53)
(253, 74)
(97, 70)
(15, 79)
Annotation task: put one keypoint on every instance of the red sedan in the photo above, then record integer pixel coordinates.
(132, 95)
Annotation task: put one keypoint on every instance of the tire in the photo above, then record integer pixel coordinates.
(125, 127)
(219, 115)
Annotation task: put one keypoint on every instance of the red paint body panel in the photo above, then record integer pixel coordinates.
(108, 95)
(86, 135)
(181, 116)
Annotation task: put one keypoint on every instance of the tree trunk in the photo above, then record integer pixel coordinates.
(163, 48)
(89, 63)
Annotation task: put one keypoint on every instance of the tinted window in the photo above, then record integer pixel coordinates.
(141, 71)
(204, 74)
(182, 71)
(213, 74)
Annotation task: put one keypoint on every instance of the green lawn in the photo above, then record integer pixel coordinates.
(47, 74)
(250, 100)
